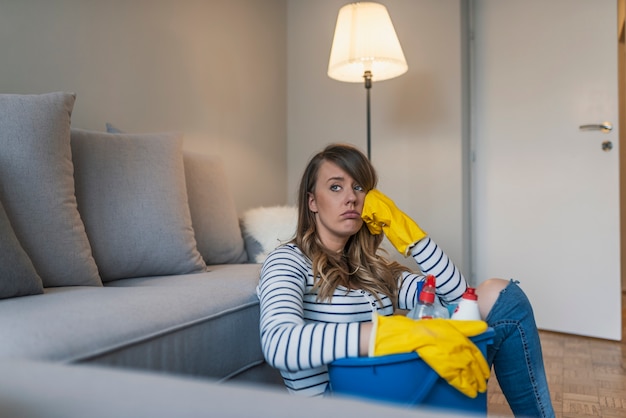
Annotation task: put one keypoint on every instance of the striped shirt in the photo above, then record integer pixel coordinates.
(300, 335)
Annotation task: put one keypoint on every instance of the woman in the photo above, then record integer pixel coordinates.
(319, 291)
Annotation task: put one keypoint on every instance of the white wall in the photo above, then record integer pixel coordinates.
(417, 119)
(213, 69)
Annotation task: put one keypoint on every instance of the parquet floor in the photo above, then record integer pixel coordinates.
(587, 376)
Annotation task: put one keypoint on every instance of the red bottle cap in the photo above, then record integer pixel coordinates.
(470, 294)
(427, 297)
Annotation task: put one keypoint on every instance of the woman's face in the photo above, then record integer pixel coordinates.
(337, 203)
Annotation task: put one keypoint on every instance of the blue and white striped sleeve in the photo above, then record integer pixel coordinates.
(407, 290)
(288, 341)
(432, 260)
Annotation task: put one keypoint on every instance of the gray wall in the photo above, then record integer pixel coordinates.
(246, 79)
(418, 126)
(213, 69)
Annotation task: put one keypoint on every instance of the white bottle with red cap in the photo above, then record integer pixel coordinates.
(467, 308)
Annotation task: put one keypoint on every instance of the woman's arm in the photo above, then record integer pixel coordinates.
(381, 214)
(364, 343)
(432, 260)
(288, 341)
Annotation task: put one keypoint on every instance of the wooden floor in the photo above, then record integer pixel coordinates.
(587, 376)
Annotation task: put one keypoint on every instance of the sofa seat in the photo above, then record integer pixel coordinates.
(203, 324)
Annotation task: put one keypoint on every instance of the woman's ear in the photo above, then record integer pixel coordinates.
(312, 203)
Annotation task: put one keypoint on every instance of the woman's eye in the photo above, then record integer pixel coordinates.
(359, 188)
(335, 187)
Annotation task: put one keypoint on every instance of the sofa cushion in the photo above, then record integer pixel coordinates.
(18, 276)
(37, 187)
(132, 196)
(212, 206)
(213, 211)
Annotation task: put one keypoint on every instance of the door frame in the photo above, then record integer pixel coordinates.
(621, 82)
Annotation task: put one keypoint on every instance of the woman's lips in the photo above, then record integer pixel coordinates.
(351, 214)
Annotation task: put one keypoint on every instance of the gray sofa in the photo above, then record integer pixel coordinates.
(120, 250)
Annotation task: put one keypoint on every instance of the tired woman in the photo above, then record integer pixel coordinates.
(320, 292)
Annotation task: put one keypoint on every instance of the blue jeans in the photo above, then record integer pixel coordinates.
(516, 354)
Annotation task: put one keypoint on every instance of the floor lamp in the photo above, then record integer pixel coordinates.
(365, 48)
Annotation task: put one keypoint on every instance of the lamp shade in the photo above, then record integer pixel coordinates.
(365, 40)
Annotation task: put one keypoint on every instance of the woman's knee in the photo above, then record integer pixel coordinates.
(488, 292)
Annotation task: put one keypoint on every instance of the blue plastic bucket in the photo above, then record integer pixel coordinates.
(404, 379)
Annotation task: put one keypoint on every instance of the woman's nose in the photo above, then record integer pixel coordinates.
(351, 198)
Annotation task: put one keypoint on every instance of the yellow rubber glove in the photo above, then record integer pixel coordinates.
(381, 215)
(441, 343)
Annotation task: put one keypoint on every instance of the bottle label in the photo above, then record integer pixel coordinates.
(466, 310)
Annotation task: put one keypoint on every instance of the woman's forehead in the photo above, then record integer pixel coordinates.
(330, 171)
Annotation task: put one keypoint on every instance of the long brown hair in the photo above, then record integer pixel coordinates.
(359, 266)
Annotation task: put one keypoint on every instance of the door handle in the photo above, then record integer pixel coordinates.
(604, 127)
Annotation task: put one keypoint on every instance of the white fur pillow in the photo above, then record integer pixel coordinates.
(265, 228)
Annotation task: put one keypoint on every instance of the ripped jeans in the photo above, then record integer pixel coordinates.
(516, 354)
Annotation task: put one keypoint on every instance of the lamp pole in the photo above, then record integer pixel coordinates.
(354, 54)
(368, 86)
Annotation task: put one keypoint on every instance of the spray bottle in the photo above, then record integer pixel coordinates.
(427, 308)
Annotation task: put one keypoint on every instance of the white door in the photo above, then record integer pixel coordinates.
(545, 196)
